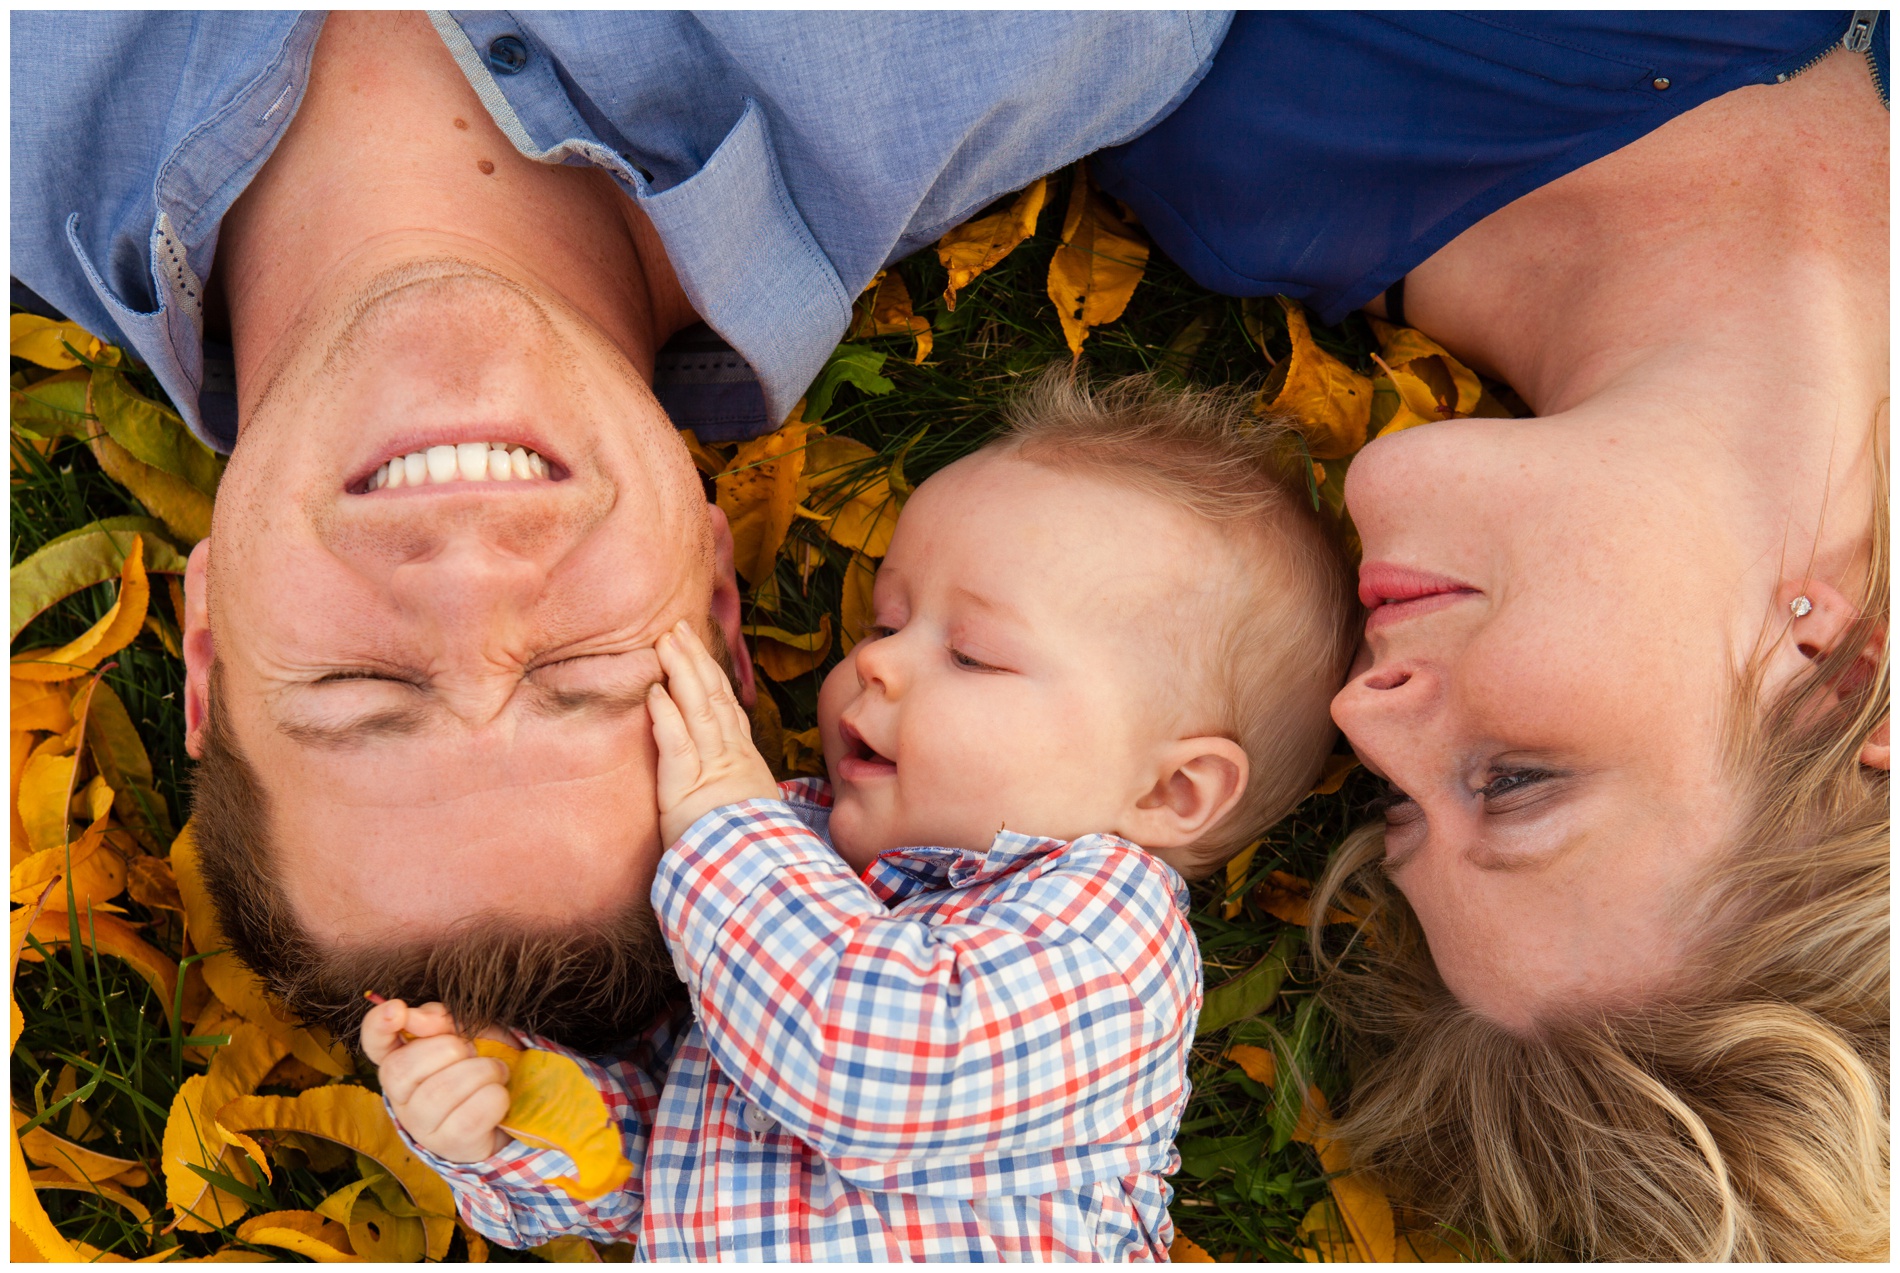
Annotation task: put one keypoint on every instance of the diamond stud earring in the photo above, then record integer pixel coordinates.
(1801, 607)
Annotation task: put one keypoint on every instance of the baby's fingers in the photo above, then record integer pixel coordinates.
(690, 693)
(722, 705)
(679, 759)
(415, 1063)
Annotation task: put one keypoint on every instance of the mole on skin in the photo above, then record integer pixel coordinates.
(461, 123)
(487, 166)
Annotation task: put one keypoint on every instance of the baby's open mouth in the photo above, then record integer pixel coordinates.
(860, 759)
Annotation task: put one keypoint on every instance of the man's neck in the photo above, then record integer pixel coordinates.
(393, 158)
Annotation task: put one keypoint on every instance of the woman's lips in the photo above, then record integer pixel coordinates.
(860, 760)
(1395, 593)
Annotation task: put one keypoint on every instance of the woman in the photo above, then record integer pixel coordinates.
(1625, 666)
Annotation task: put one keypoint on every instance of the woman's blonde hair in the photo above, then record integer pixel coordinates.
(1745, 1119)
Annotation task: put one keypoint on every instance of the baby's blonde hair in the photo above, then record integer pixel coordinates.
(1278, 644)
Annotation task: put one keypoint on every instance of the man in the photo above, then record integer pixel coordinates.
(426, 766)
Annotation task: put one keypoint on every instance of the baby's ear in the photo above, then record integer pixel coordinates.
(1198, 781)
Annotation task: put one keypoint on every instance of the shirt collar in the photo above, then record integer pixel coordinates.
(903, 873)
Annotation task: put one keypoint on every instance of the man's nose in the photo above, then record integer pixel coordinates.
(470, 590)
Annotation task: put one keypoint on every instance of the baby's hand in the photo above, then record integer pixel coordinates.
(706, 754)
(449, 1100)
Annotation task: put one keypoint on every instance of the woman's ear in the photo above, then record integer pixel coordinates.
(1198, 782)
(198, 651)
(1817, 619)
(1877, 751)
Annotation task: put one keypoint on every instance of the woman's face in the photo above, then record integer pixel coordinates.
(1557, 613)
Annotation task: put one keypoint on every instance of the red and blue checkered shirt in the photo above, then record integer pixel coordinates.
(960, 1056)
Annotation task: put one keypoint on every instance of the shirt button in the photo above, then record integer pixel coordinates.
(1660, 83)
(507, 55)
(756, 1120)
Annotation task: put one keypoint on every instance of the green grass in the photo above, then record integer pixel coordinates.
(1246, 1186)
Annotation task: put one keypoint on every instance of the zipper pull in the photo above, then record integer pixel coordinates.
(1860, 31)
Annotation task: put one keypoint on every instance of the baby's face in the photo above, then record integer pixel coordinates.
(1022, 669)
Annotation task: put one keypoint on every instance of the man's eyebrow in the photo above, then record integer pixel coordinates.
(394, 722)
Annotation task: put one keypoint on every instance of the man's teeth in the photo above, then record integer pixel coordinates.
(464, 462)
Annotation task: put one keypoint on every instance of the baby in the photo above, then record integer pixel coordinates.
(943, 1002)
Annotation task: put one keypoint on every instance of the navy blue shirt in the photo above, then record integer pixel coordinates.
(1327, 154)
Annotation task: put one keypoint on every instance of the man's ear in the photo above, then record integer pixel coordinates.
(725, 605)
(1813, 636)
(198, 649)
(1198, 782)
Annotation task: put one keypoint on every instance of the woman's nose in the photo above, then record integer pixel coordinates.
(1386, 693)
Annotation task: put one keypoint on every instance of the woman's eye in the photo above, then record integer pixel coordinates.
(1396, 807)
(1511, 783)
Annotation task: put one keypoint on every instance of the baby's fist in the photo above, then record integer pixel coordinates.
(450, 1100)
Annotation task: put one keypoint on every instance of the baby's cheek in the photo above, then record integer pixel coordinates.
(840, 686)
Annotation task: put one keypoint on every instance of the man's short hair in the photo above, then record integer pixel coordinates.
(1274, 648)
(588, 985)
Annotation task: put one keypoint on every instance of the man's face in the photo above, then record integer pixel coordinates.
(442, 687)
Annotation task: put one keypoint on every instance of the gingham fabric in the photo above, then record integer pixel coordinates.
(961, 1056)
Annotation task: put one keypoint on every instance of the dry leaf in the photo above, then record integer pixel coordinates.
(784, 655)
(553, 1105)
(46, 783)
(76, 1161)
(851, 495)
(886, 311)
(140, 1212)
(1289, 899)
(705, 459)
(1330, 402)
(1185, 1250)
(857, 613)
(355, 1117)
(150, 883)
(183, 508)
(105, 935)
(978, 245)
(758, 492)
(43, 341)
(1332, 775)
(190, 1141)
(97, 868)
(1098, 266)
(304, 1232)
(1237, 868)
(106, 637)
(805, 753)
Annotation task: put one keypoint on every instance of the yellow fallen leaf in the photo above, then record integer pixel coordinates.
(22, 751)
(46, 785)
(139, 1210)
(1101, 260)
(34, 1239)
(1237, 868)
(76, 1161)
(978, 245)
(185, 510)
(354, 1117)
(1289, 898)
(568, 1249)
(106, 637)
(106, 935)
(784, 655)
(886, 310)
(1332, 775)
(804, 753)
(149, 882)
(477, 1245)
(191, 1141)
(1329, 401)
(705, 459)
(553, 1105)
(96, 865)
(857, 613)
(758, 492)
(1402, 346)
(851, 495)
(1185, 1250)
(38, 705)
(303, 1232)
(386, 1238)
(43, 341)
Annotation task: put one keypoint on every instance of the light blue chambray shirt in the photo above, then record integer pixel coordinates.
(784, 158)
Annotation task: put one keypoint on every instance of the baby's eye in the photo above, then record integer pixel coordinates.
(878, 630)
(965, 661)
